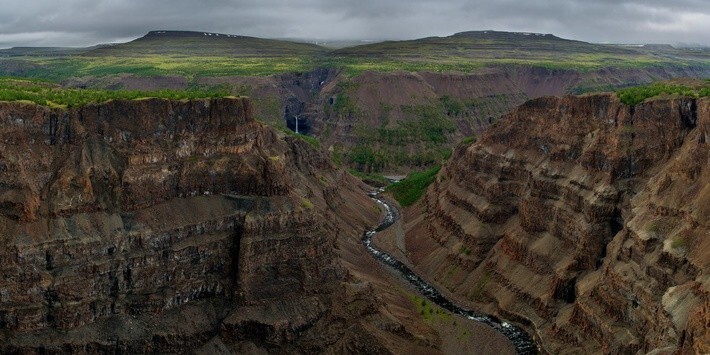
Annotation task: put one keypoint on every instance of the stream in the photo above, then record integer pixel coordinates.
(523, 343)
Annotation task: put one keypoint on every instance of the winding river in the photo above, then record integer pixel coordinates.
(523, 343)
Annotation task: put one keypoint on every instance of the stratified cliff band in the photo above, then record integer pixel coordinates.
(584, 218)
(177, 226)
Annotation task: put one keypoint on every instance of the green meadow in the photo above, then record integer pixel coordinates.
(52, 95)
(193, 55)
(638, 94)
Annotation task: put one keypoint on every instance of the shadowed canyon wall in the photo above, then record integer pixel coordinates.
(582, 217)
(175, 226)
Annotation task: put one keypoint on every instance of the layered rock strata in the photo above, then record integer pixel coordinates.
(178, 226)
(583, 218)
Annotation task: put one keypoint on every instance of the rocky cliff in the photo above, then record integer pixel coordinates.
(177, 226)
(411, 120)
(395, 112)
(583, 218)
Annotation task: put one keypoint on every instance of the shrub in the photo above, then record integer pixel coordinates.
(48, 94)
(635, 95)
(678, 242)
(409, 190)
(469, 140)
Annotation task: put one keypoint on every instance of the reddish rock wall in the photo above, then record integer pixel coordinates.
(166, 226)
(584, 217)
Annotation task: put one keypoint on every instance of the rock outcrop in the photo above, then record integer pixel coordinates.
(385, 110)
(176, 226)
(583, 218)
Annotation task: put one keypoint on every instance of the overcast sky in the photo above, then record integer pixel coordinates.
(88, 22)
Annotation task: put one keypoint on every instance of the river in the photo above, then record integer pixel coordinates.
(523, 343)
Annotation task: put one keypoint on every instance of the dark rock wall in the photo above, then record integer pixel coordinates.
(153, 208)
(585, 217)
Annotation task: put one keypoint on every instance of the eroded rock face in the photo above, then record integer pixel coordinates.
(156, 225)
(583, 217)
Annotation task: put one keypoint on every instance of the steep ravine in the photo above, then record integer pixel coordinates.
(583, 217)
(185, 226)
(523, 343)
(120, 220)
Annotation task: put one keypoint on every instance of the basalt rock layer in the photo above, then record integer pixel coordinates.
(583, 218)
(393, 113)
(176, 226)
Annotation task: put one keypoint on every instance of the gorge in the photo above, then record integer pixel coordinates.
(159, 225)
(583, 217)
(156, 225)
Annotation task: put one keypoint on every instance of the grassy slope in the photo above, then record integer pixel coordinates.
(409, 190)
(422, 141)
(188, 54)
(48, 94)
(468, 50)
(184, 43)
(193, 54)
(636, 95)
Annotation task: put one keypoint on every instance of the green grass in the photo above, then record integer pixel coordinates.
(306, 203)
(367, 159)
(344, 105)
(409, 190)
(193, 54)
(312, 141)
(48, 94)
(468, 140)
(466, 52)
(635, 95)
(678, 242)
(428, 310)
(189, 66)
(426, 127)
(372, 179)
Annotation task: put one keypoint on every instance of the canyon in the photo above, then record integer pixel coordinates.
(191, 192)
(581, 218)
(573, 224)
(394, 122)
(389, 107)
(154, 225)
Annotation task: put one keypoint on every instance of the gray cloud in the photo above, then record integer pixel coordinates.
(87, 22)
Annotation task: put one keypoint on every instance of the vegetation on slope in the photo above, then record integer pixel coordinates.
(181, 43)
(409, 190)
(467, 51)
(312, 141)
(371, 179)
(635, 95)
(165, 53)
(417, 136)
(48, 94)
(191, 54)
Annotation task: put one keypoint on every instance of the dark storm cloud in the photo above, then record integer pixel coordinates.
(86, 22)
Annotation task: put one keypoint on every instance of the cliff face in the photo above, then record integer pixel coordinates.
(396, 113)
(157, 225)
(582, 217)
(393, 112)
